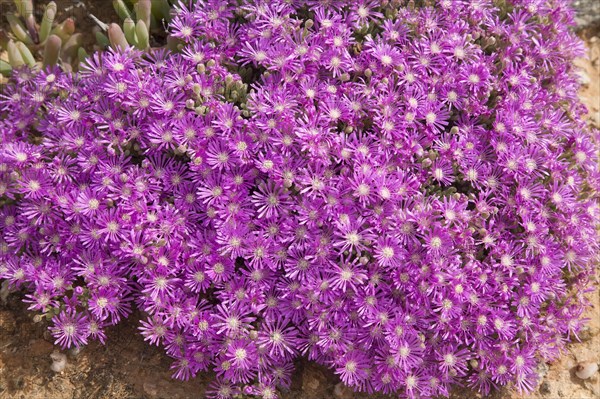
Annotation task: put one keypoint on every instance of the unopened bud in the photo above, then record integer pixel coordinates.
(196, 88)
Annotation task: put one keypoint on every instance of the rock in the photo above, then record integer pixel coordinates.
(545, 388)
(341, 391)
(74, 352)
(594, 49)
(59, 362)
(8, 324)
(588, 13)
(588, 332)
(39, 347)
(313, 381)
(311, 384)
(583, 78)
(585, 370)
(4, 291)
(150, 389)
(542, 369)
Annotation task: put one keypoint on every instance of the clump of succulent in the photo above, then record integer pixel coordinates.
(29, 41)
(405, 192)
(146, 15)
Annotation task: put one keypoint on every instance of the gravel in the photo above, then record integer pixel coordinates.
(588, 13)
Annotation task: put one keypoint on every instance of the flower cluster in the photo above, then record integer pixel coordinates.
(406, 193)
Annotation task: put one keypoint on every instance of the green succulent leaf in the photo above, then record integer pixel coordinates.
(143, 38)
(5, 68)
(18, 29)
(122, 9)
(14, 55)
(143, 11)
(102, 39)
(117, 37)
(26, 54)
(52, 50)
(129, 30)
(47, 21)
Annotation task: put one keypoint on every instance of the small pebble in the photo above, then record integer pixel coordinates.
(341, 391)
(585, 334)
(150, 389)
(542, 369)
(59, 362)
(8, 324)
(74, 352)
(583, 77)
(4, 291)
(544, 388)
(585, 370)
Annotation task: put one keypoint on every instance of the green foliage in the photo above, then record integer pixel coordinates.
(139, 17)
(29, 41)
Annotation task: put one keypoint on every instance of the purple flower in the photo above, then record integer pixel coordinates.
(70, 329)
(402, 193)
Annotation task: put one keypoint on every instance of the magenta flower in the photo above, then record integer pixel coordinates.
(403, 193)
(70, 329)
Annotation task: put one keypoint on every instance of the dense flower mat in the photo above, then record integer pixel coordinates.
(402, 191)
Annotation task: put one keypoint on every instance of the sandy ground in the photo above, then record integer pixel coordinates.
(127, 368)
